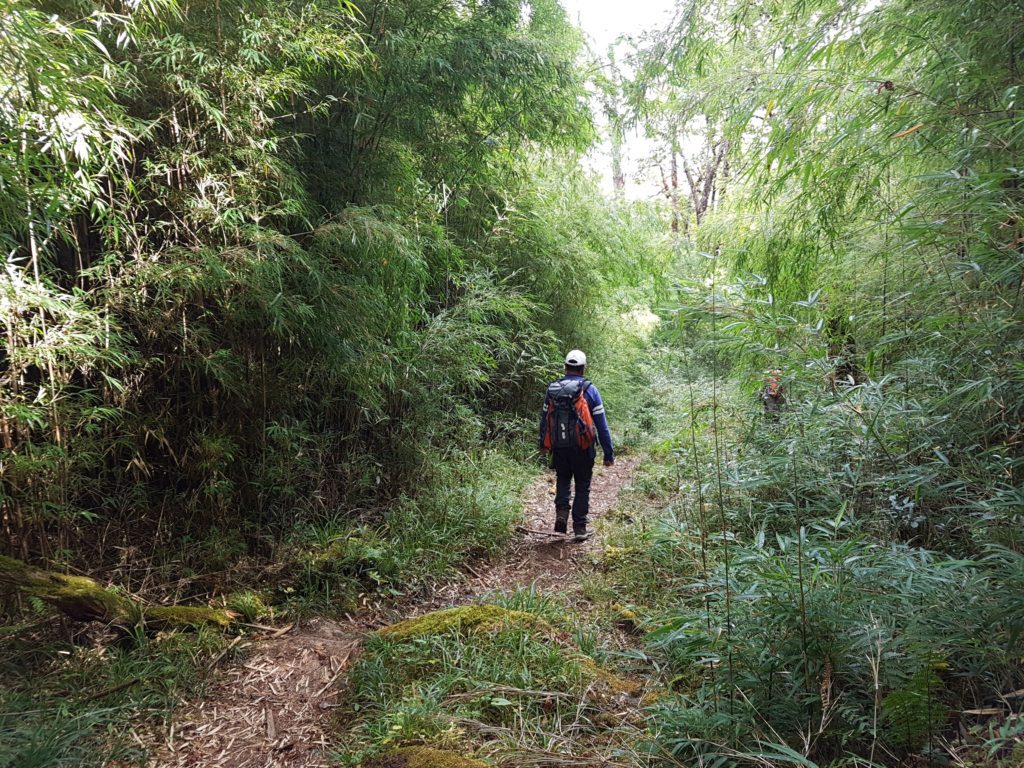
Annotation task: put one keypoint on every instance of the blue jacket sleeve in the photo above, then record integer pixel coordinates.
(600, 421)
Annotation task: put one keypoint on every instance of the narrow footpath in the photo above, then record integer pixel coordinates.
(272, 706)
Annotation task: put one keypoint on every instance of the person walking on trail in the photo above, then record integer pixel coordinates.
(572, 421)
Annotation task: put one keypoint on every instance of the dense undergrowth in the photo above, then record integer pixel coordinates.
(838, 583)
(69, 703)
(792, 628)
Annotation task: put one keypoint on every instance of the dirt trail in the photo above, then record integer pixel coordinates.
(550, 564)
(272, 707)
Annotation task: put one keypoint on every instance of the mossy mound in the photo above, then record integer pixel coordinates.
(615, 685)
(471, 619)
(465, 619)
(423, 757)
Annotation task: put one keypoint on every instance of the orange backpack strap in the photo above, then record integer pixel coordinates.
(588, 434)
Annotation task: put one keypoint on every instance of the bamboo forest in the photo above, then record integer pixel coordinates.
(321, 317)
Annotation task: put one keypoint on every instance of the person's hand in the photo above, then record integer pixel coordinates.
(543, 450)
(609, 462)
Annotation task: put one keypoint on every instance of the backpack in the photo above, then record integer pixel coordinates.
(569, 423)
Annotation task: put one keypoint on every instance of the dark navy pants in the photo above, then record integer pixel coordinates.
(574, 466)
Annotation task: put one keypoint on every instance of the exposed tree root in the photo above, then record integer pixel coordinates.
(83, 599)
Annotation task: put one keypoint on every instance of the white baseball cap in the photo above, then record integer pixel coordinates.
(576, 358)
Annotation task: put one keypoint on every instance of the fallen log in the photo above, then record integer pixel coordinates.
(83, 599)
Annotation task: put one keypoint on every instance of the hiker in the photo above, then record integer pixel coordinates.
(572, 419)
(773, 394)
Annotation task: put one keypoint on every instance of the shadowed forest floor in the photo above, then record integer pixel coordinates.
(272, 705)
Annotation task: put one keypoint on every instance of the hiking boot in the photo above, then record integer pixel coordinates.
(561, 521)
(581, 535)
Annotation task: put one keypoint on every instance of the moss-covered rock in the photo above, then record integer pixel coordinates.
(423, 757)
(467, 619)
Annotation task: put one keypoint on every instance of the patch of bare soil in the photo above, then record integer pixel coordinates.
(272, 707)
(269, 709)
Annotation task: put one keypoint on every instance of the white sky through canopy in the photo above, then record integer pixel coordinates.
(603, 22)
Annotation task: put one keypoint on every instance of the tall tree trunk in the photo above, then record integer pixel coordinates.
(618, 177)
(703, 185)
(674, 190)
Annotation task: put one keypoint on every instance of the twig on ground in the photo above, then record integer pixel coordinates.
(263, 627)
(524, 529)
(473, 571)
(341, 669)
(282, 631)
(216, 659)
(271, 725)
(113, 689)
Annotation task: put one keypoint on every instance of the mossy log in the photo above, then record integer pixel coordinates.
(83, 599)
(423, 757)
